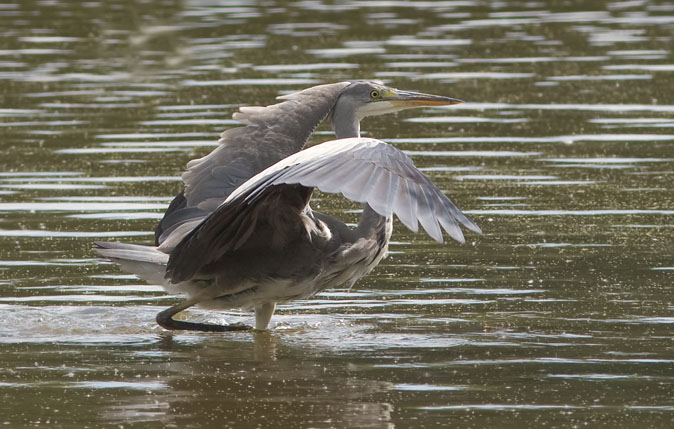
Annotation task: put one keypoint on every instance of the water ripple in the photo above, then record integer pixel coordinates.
(40, 233)
(79, 206)
(595, 212)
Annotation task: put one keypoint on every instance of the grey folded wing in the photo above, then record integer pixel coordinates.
(271, 134)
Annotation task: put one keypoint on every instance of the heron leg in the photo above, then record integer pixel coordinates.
(263, 315)
(166, 321)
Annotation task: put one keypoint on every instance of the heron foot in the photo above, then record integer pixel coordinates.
(166, 321)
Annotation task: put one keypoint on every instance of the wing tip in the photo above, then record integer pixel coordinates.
(411, 224)
(456, 234)
(460, 237)
(434, 233)
(472, 226)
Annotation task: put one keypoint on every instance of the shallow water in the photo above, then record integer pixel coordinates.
(560, 315)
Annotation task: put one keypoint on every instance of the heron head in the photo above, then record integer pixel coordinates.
(368, 98)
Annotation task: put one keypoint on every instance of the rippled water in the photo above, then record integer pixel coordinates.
(560, 315)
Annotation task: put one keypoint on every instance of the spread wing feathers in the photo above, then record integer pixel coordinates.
(271, 134)
(363, 170)
(368, 171)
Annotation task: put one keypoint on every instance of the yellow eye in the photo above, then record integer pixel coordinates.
(374, 94)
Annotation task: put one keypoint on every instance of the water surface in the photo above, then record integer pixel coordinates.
(560, 315)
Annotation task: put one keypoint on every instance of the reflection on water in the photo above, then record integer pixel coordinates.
(560, 314)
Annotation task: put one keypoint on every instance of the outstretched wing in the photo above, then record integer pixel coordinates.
(369, 171)
(271, 134)
(363, 170)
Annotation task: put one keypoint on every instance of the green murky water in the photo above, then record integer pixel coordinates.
(561, 315)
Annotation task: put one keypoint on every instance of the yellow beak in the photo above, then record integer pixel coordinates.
(405, 99)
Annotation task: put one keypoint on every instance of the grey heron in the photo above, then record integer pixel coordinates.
(242, 234)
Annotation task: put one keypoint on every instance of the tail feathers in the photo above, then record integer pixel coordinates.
(146, 262)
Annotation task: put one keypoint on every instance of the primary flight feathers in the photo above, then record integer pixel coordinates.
(363, 170)
(368, 171)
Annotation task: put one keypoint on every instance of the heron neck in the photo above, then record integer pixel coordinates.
(345, 122)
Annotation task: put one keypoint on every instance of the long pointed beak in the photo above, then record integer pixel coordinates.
(405, 99)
